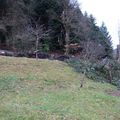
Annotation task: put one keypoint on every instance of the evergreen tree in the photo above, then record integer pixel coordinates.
(106, 40)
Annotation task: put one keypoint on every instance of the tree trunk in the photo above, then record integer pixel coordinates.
(36, 47)
(67, 40)
(110, 76)
(13, 45)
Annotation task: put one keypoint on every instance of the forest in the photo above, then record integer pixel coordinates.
(52, 26)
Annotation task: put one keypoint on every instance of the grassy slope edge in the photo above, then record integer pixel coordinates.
(49, 90)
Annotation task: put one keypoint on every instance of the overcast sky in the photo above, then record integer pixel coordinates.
(107, 11)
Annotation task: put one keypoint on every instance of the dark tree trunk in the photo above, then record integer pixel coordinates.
(36, 47)
(110, 76)
(67, 40)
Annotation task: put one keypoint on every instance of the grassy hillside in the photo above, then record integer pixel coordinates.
(49, 90)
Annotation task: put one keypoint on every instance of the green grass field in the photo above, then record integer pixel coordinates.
(50, 90)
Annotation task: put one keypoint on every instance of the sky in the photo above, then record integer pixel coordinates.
(107, 11)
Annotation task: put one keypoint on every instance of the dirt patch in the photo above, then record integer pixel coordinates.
(114, 93)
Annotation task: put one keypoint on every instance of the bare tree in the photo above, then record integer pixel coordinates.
(67, 16)
(91, 52)
(39, 32)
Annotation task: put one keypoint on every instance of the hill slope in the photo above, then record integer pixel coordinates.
(49, 90)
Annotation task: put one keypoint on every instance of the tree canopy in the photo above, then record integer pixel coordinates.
(63, 18)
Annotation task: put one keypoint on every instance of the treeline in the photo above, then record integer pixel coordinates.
(52, 25)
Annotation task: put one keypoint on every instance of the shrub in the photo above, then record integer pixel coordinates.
(97, 71)
(118, 84)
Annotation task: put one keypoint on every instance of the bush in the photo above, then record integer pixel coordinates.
(96, 71)
(118, 84)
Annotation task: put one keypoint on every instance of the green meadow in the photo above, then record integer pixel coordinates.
(50, 90)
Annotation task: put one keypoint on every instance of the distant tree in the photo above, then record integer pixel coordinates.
(14, 21)
(3, 7)
(51, 10)
(68, 15)
(39, 32)
(106, 40)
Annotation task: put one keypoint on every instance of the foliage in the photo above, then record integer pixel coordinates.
(98, 71)
(106, 40)
(81, 66)
(63, 17)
